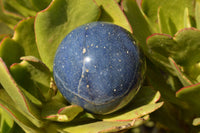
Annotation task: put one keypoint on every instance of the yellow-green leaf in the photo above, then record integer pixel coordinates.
(56, 21)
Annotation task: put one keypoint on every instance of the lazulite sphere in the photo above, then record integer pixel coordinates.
(98, 67)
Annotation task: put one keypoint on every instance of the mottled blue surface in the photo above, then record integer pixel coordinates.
(97, 66)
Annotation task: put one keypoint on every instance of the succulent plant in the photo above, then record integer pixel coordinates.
(167, 33)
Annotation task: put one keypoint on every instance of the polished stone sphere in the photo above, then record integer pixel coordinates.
(98, 67)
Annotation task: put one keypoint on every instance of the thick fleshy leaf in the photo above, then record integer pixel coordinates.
(40, 4)
(196, 122)
(4, 29)
(182, 77)
(187, 23)
(56, 111)
(162, 22)
(161, 46)
(41, 76)
(2, 36)
(6, 122)
(111, 12)
(142, 104)
(34, 78)
(25, 36)
(105, 126)
(55, 22)
(197, 14)
(156, 79)
(20, 7)
(15, 51)
(184, 45)
(135, 113)
(190, 94)
(13, 90)
(8, 18)
(141, 27)
(188, 46)
(173, 9)
(8, 105)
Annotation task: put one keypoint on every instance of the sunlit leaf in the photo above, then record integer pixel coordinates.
(6, 122)
(197, 14)
(15, 51)
(162, 22)
(141, 27)
(111, 12)
(190, 94)
(56, 21)
(20, 8)
(25, 36)
(8, 18)
(135, 113)
(16, 94)
(105, 126)
(174, 11)
(182, 77)
(55, 111)
(8, 105)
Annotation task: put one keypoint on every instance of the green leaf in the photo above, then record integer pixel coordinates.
(25, 36)
(105, 126)
(161, 46)
(197, 14)
(196, 122)
(15, 51)
(8, 18)
(182, 77)
(17, 95)
(111, 12)
(184, 48)
(20, 8)
(173, 9)
(162, 22)
(40, 4)
(155, 78)
(6, 122)
(187, 23)
(56, 111)
(188, 47)
(8, 105)
(135, 113)
(190, 94)
(4, 29)
(34, 77)
(140, 24)
(56, 21)
(142, 104)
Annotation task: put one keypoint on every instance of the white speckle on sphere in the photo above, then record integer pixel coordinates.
(84, 50)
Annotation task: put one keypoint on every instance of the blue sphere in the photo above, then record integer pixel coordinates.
(98, 67)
